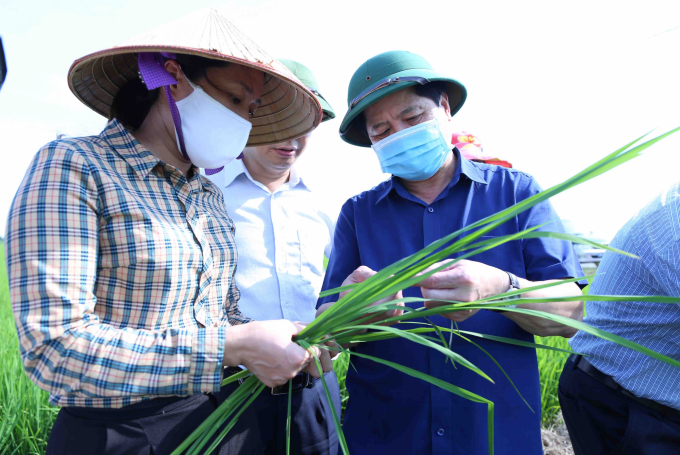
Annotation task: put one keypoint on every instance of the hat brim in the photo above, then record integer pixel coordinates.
(353, 135)
(328, 112)
(287, 110)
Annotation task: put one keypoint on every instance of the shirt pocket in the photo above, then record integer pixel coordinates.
(311, 259)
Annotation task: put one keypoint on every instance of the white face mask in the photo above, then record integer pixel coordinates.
(213, 135)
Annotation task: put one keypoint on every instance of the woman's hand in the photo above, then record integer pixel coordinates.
(267, 349)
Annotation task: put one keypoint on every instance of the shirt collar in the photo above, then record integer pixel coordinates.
(231, 171)
(463, 167)
(469, 168)
(296, 179)
(237, 167)
(131, 150)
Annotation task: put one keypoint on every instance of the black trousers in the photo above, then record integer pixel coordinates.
(312, 430)
(602, 420)
(152, 427)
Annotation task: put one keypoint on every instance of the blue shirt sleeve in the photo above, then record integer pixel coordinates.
(345, 257)
(656, 240)
(545, 258)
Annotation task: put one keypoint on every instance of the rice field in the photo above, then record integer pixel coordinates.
(26, 417)
(550, 364)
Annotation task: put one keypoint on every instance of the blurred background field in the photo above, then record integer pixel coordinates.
(26, 417)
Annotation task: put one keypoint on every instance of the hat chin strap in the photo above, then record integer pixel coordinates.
(154, 75)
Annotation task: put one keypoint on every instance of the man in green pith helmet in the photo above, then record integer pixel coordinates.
(283, 232)
(402, 108)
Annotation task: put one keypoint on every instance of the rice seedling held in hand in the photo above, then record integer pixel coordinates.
(352, 319)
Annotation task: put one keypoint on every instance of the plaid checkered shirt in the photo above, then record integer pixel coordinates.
(121, 274)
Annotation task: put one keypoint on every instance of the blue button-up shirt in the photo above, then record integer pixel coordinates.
(390, 412)
(653, 235)
(282, 237)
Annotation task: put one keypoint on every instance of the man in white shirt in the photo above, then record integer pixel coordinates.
(283, 233)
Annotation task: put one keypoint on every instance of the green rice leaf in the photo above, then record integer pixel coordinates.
(420, 340)
(597, 332)
(441, 338)
(348, 287)
(288, 418)
(526, 344)
(507, 376)
(232, 422)
(377, 336)
(561, 236)
(502, 304)
(532, 288)
(197, 439)
(235, 377)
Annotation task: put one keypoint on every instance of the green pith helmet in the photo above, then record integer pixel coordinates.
(384, 74)
(307, 78)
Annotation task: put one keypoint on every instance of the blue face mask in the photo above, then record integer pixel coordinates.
(415, 153)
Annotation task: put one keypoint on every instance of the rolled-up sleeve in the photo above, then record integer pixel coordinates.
(52, 248)
(545, 258)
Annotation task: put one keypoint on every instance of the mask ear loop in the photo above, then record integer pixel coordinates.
(153, 74)
(177, 120)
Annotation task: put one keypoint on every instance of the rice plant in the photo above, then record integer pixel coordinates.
(25, 416)
(340, 366)
(550, 365)
(346, 321)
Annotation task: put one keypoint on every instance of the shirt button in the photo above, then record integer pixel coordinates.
(440, 432)
(430, 209)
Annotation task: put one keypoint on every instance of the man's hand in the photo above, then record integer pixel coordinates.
(463, 281)
(467, 281)
(359, 276)
(267, 349)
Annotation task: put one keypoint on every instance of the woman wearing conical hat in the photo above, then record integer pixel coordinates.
(121, 256)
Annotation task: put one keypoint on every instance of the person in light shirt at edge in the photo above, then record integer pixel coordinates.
(616, 400)
(283, 233)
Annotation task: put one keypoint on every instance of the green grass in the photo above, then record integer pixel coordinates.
(550, 364)
(340, 366)
(25, 416)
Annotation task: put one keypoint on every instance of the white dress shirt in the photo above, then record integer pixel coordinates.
(281, 239)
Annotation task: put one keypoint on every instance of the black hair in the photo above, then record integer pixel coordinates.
(431, 90)
(133, 101)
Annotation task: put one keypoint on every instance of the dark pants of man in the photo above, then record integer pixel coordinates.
(156, 427)
(312, 429)
(602, 420)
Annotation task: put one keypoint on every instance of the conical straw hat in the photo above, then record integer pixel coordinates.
(288, 109)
